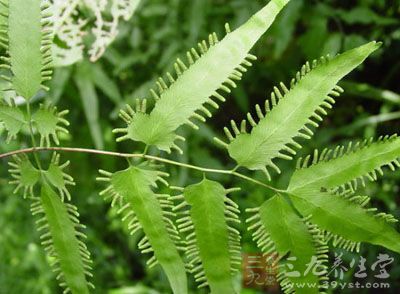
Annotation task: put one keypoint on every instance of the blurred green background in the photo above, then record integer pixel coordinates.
(147, 47)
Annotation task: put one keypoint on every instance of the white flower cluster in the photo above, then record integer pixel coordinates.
(70, 27)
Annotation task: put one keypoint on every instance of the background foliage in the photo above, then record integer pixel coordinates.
(147, 46)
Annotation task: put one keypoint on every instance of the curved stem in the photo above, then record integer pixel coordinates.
(140, 155)
(28, 110)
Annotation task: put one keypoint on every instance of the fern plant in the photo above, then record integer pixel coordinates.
(193, 229)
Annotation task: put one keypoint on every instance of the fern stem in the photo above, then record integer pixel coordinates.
(28, 110)
(139, 155)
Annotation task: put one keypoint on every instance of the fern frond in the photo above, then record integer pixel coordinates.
(29, 43)
(13, 119)
(278, 230)
(4, 24)
(213, 244)
(211, 69)
(62, 240)
(141, 208)
(345, 167)
(292, 112)
(25, 175)
(57, 178)
(49, 123)
(347, 219)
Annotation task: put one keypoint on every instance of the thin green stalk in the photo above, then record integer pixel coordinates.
(140, 155)
(28, 110)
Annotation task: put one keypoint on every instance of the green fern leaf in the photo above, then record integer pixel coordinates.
(28, 43)
(340, 242)
(215, 68)
(277, 229)
(213, 244)
(344, 167)
(4, 24)
(49, 123)
(345, 218)
(141, 208)
(25, 175)
(57, 178)
(293, 111)
(62, 241)
(12, 118)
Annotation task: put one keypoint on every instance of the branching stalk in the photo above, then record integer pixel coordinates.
(139, 155)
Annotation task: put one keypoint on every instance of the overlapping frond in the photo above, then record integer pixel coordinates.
(211, 70)
(345, 167)
(143, 209)
(362, 201)
(62, 238)
(346, 218)
(292, 112)
(49, 124)
(57, 178)
(12, 118)
(25, 175)
(28, 45)
(213, 243)
(286, 238)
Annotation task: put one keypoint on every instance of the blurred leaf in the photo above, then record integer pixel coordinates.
(371, 120)
(370, 92)
(283, 28)
(313, 40)
(333, 44)
(364, 15)
(59, 83)
(139, 289)
(105, 83)
(353, 41)
(90, 101)
(241, 98)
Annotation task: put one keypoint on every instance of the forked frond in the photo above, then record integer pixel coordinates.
(143, 209)
(286, 238)
(211, 70)
(50, 123)
(292, 112)
(62, 239)
(25, 175)
(213, 244)
(28, 45)
(57, 178)
(346, 166)
(12, 118)
(346, 218)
